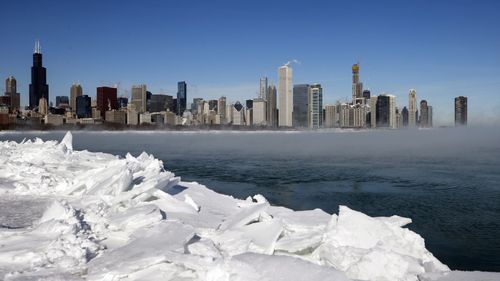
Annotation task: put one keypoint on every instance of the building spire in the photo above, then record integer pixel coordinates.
(38, 48)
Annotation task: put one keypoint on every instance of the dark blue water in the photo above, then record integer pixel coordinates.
(446, 180)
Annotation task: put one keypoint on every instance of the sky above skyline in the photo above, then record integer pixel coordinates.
(441, 48)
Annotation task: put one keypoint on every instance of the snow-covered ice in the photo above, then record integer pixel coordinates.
(112, 218)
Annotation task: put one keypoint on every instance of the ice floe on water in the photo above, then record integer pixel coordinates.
(114, 218)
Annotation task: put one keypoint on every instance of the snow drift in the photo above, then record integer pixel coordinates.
(128, 218)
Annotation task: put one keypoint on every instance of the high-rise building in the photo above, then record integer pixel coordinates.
(366, 94)
(238, 114)
(259, 112)
(212, 105)
(331, 118)
(300, 114)
(386, 111)
(357, 87)
(74, 92)
(424, 114)
(181, 97)
(404, 116)
(285, 93)
(139, 98)
(62, 100)
(38, 87)
(11, 91)
(272, 112)
(83, 107)
(263, 88)
(461, 111)
(159, 102)
(221, 106)
(122, 102)
(315, 106)
(43, 107)
(429, 118)
(412, 108)
(373, 111)
(106, 99)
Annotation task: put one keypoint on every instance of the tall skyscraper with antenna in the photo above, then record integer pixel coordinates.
(38, 86)
(412, 108)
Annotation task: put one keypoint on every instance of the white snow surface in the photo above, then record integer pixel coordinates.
(128, 218)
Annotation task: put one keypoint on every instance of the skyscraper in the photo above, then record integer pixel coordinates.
(373, 111)
(366, 94)
(386, 111)
(412, 108)
(424, 114)
(272, 114)
(62, 100)
(259, 112)
(221, 106)
(181, 97)
(106, 99)
(263, 88)
(83, 107)
(461, 111)
(285, 93)
(75, 91)
(404, 116)
(38, 86)
(11, 91)
(139, 97)
(357, 87)
(300, 114)
(331, 118)
(315, 106)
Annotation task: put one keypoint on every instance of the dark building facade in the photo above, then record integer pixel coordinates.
(212, 105)
(83, 107)
(122, 102)
(181, 97)
(404, 115)
(106, 98)
(461, 111)
(424, 114)
(62, 100)
(300, 105)
(160, 103)
(383, 111)
(38, 86)
(366, 94)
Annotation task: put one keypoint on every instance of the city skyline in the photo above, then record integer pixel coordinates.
(439, 65)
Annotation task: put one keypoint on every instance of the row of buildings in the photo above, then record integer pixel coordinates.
(288, 106)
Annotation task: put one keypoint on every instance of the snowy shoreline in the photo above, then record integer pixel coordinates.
(128, 218)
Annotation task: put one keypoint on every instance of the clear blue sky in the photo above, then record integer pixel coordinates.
(441, 48)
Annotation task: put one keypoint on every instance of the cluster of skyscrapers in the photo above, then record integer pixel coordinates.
(287, 106)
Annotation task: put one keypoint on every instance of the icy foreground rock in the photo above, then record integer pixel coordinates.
(128, 218)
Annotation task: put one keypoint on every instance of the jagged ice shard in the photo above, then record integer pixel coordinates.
(112, 218)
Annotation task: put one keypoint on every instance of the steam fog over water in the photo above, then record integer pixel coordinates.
(446, 180)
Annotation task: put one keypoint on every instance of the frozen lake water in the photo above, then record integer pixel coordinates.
(446, 180)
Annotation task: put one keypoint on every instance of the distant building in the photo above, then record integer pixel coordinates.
(285, 95)
(38, 87)
(160, 102)
(181, 97)
(300, 114)
(272, 112)
(373, 111)
(62, 100)
(366, 94)
(139, 97)
(53, 119)
(122, 102)
(238, 114)
(424, 114)
(116, 116)
(386, 111)
(263, 88)
(43, 107)
(315, 106)
(221, 106)
(259, 112)
(74, 92)
(412, 108)
(461, 111)
(357, 87)
(212, 105)
(404, 116)
(11, 92)
(106, 99)
(132, 115)
(83, 107)
(331, 118)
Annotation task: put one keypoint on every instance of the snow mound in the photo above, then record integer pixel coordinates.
(129, 219)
